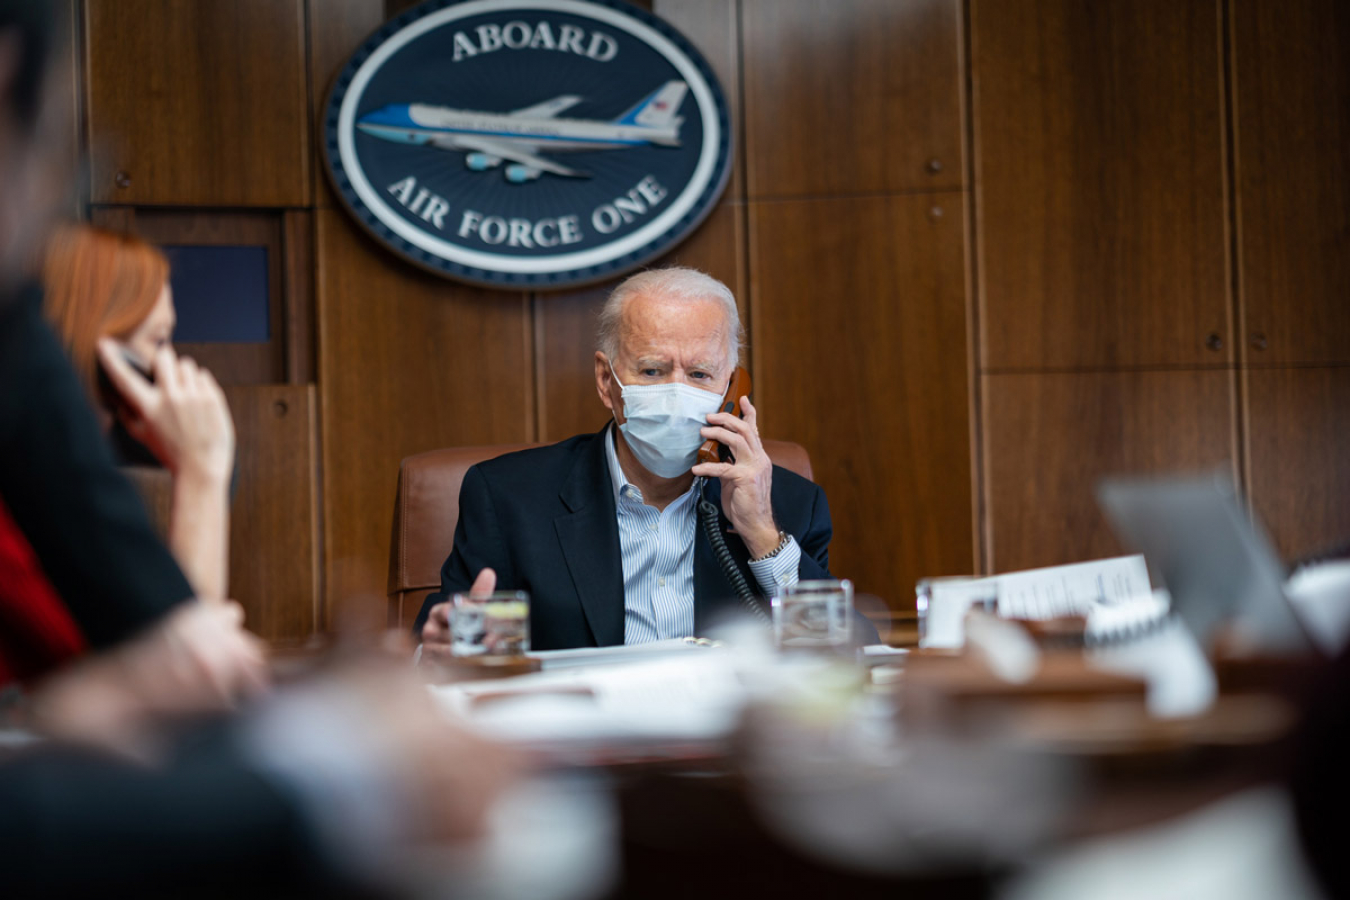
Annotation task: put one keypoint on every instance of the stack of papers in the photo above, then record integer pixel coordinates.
(1129, 630)
(1114, 595)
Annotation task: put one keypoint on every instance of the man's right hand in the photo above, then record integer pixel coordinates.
(436, 637)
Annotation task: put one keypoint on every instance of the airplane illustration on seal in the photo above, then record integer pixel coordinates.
(523, 136)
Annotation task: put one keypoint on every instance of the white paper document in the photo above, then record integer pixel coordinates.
(1072, 590)
(634, 653)
(671, 701)
(1118, 585)
(943, 604)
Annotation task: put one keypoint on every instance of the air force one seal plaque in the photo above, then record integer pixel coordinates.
(528, 143)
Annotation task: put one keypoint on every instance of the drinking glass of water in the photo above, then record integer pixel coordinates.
(496, 624)
(813, 614)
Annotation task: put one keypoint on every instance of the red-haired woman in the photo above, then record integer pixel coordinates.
(108, 297)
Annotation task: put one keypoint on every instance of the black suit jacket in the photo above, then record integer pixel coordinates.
(545, 520)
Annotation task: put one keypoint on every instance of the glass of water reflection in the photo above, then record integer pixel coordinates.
(496, 624)
(813, 614)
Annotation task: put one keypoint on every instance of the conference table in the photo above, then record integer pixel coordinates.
(951, 783)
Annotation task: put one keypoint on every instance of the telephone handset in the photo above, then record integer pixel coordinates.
(711, 451)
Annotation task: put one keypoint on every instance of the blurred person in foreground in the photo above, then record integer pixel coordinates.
(59, 486)
(108, 297)
(315, 787)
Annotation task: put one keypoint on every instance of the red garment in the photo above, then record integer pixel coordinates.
(37, 632)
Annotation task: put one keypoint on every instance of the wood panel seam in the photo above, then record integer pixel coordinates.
(974, 389)
(743, 199)
(854, 195)
(1241, 437)
(1098, 370)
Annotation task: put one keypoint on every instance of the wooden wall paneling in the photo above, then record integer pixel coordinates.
(848, 96)
(713, 27)
(297, 245)
(336, 29)
(564, 325)
(65, 81)
(114, 218)
(1291, 72)
(564, 329)
(859, 318)
(1298, 456)
(394, 7)
(274, 538)
(1101, 207)
(237, 363)
(407, 362)
(718, 248)
(1049, 437)
(198, 103)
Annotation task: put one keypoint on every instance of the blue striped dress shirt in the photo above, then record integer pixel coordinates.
(658, 559)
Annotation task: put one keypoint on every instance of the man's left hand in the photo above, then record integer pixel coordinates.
(746, 482)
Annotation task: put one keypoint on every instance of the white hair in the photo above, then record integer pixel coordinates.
(675, 283)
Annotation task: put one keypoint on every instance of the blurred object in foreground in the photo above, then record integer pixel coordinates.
(1241, 848)
(550, 837)
(835, 776)
(1320, 593)
(329, 784)
(1218, 566)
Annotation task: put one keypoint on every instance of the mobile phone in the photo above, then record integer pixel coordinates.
(108, 394)
(712, 451)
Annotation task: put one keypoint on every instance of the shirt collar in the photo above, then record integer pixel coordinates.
(616, 476)
(612, 457)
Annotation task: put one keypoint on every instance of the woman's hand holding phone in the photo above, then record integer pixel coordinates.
(182, 416)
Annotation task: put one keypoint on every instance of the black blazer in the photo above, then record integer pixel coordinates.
(544, 519)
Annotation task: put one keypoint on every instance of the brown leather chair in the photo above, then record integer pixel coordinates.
(427, 508)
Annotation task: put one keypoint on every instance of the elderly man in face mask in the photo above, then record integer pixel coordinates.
(603, 530)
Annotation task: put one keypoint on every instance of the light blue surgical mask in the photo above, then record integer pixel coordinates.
(662, 423)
